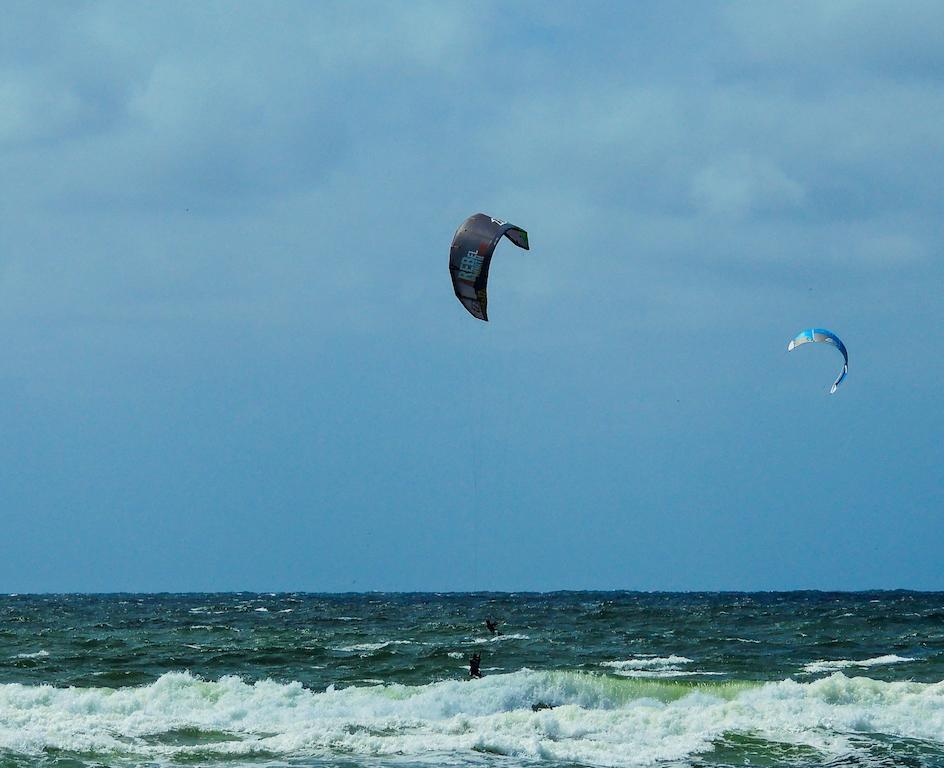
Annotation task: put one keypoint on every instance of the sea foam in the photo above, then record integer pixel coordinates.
(595, 719)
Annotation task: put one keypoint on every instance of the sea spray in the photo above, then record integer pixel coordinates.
(591, 718)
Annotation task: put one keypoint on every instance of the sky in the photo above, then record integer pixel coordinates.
(233, 359)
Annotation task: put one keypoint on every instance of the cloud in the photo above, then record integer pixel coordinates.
(198, 158)
(34, 113)
(225, 228)
(827, 44)
(739, 185)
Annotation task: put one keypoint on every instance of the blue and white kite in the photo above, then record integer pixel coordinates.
(825, 337)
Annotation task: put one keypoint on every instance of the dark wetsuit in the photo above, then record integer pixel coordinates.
(474, 664)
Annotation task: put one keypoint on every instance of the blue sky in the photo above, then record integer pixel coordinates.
(233, 359)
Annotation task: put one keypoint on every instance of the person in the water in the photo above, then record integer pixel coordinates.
(492, 627)
(474, 664)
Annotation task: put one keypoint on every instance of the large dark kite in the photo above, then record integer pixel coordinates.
(471, 254)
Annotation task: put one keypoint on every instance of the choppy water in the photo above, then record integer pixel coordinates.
(619, 679)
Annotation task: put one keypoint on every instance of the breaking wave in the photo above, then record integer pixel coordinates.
(584, 718)
(655, 667)
(816, 667)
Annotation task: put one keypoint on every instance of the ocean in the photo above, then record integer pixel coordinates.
(574, 679)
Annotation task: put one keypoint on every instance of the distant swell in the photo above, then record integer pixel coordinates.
(595, 719)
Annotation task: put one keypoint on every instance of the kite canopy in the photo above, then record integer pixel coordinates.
(470, 255)
(823, 336)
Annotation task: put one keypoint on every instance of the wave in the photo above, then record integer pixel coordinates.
(815, 667)
(586, 718)
(371, 647)
(666, 673)
(645, 662)
(40, 654)
(664, 667)
(500, 638)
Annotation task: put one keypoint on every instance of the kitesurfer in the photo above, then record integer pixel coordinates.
(474, 663)
(492, 627)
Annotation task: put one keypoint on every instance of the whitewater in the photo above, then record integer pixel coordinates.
(578, 679)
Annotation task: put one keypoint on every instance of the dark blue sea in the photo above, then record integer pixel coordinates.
(574, 679)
